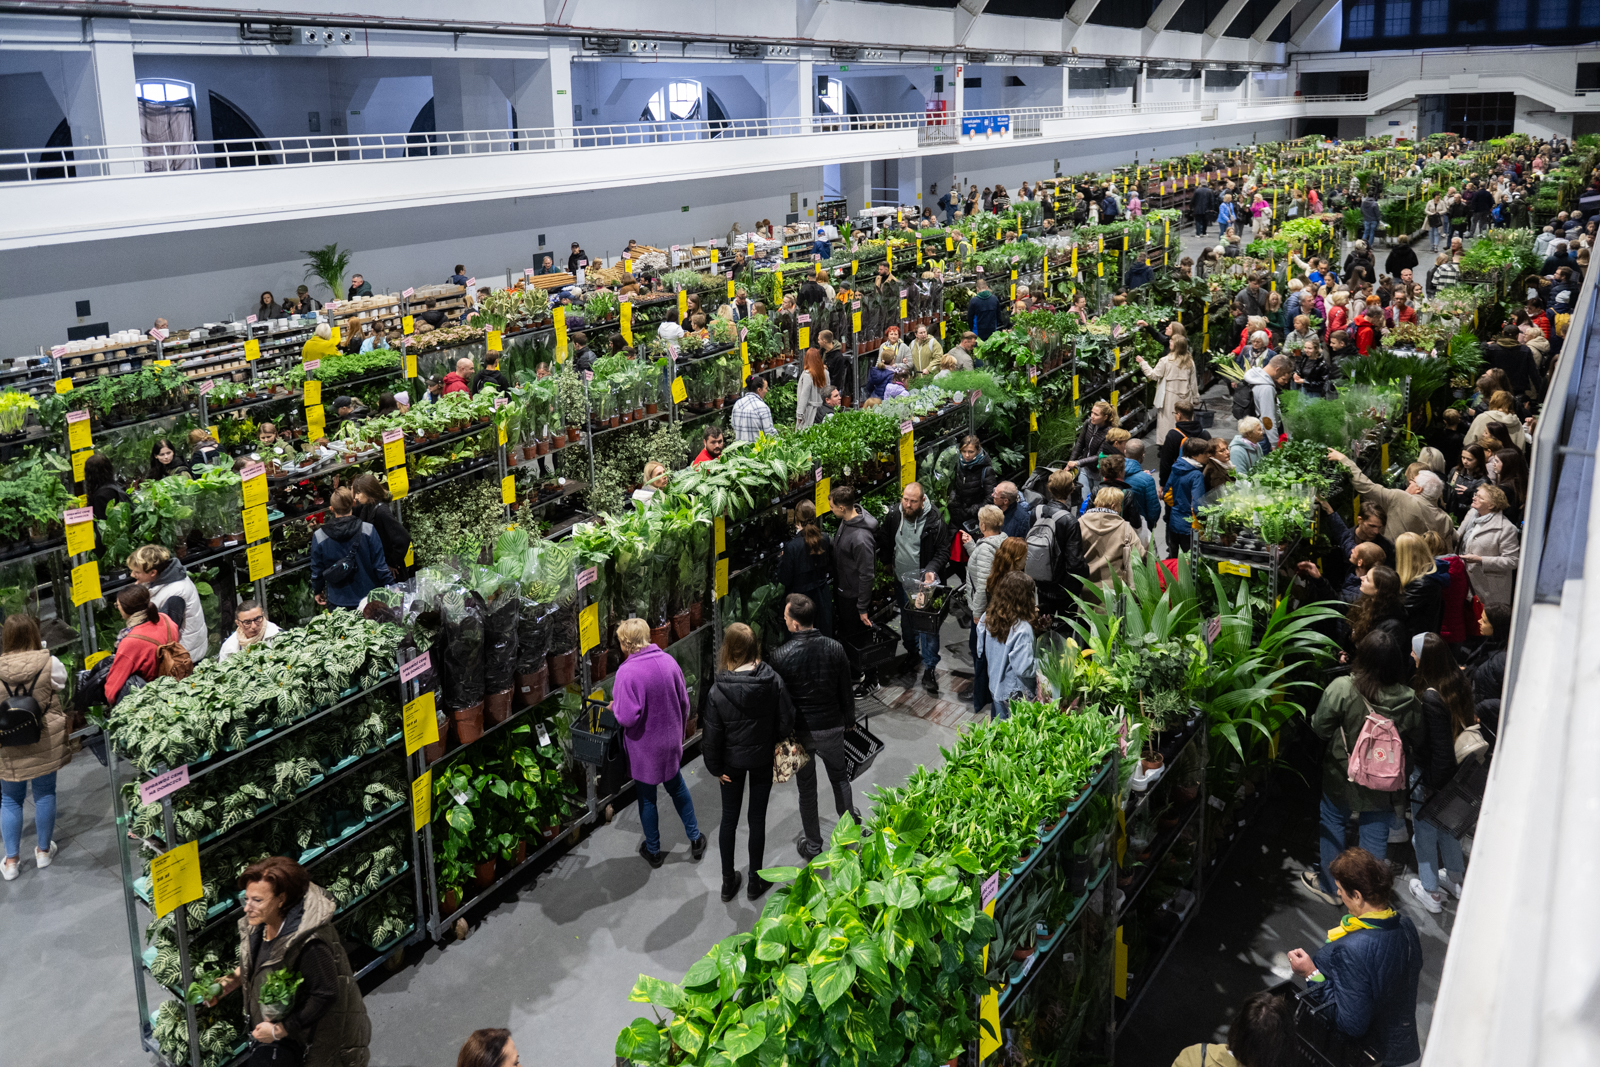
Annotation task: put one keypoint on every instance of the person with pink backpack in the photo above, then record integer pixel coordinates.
(1369, 718)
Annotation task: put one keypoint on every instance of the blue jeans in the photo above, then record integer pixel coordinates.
(678, 790)
(44, 812)
(980, 672)
(1435, 849)
(925, 644)
(1369, 232)
(1435, 235)
(1373, 836)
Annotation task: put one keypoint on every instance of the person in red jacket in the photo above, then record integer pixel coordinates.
(456, 381)
(1369, 331)
(1457, 622)
(137, 649)
(715, 441)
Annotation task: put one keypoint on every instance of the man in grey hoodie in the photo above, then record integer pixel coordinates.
(854, 551)
(1265, 383)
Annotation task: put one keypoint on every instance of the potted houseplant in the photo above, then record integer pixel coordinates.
(277, 994)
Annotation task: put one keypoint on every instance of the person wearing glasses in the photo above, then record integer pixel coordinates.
(253, 627)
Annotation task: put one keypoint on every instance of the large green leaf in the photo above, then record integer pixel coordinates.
(640, 1041)
(830, 981)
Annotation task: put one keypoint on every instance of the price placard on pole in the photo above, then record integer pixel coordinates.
(419, 720)
(626, 311)
(316, 421)
(78, 432)
(720, 531)
(253, 484)
(422, 800)
(313, 392)
(411, 366)
(259, 558)
(394, 448)
(824, 491)
(722, 578)
(493, 339)
(560, 317)
(680, 391)
(399, 483)
(589, 628)
(252, 349)
(79, 523)
(508, 489)
(908, 455)
(85, 583)
(408, 325)
(255, 524)
(175, 878)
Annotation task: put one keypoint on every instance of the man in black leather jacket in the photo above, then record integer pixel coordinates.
(817, 674)
(930, 555)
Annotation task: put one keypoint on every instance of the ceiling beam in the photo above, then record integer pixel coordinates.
(1274, 19)
(1309, 26)
(1225, 17)
(1164, 13)
(967, 13)
(1077, 15)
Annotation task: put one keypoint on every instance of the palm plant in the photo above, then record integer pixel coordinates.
(328, 264)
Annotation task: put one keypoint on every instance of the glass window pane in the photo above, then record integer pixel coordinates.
(1589, 13)
(1361, 20)
(1397, 18)
(1553, 14)
(1511, 15)
(1435, 16)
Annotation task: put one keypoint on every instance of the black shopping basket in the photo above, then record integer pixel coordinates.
(877, 647)
(861, 747)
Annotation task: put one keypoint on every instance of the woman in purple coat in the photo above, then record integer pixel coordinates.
(652, 706)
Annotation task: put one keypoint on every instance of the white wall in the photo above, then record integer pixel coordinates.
(1396, 122)
(1537, 121)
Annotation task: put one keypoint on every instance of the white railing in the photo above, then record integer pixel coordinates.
(1326, 98)
(127, 160)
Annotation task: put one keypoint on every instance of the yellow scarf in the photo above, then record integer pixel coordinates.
(1350, 923)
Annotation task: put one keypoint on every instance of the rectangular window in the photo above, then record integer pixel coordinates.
(1511, 15)
(1553, 14)
(1397, 18)
(1435, 16)
(1360, 22)
(1589, 12)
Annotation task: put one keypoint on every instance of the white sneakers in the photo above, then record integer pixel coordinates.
(1446, 881)
(9, 869)
(1433, 902)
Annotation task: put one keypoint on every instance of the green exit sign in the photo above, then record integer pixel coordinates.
(937, 69)
(845, 67)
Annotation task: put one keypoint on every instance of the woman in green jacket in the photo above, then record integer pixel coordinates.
(1377, 685)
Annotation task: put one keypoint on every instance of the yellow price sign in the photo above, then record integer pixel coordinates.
(1074, 387)
(335, 338)
(316, 422)
(750, 249)
(411, 555)
(626, 311)
(259, 558)
(855, 321)
(778, 274)
(903, 303)
(175, 878)
(79, 523)
(394, 448)
(94, 657)
(908, 458)
(824, 490)
(508, 489)
(313, 392)
(1033, 461)
(715, 257)
(399, 484)
(889, 251)
(411, 366)
(216, 435)
(256, 527)
(79, 434)
(1033, 421)
(78, 460)
(252, 349)
(408, 324)
(559, 315)
(500, 435)
(422, 801)
(680, 391)
(589, 628)
(722, 578)
(805, 335)
(419, 719)
(85, 583)
(720, 530)
(683, 304)
(63, 385)
(1227, 566)
(730, 289)
(919, 252)
(949, 243)
(493, 341)
(855, 265)
(254, 490)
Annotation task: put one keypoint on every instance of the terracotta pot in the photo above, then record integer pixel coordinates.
(660, 634)
(215, 542)
(530, 452)
(651, 409)
(638, 414)
(1152, 762)
(182, 549)
(623, 418)
(572, 435)
(469, 723)
(597, 663)
(532, 687)
(717, 403)
(521, 853)
(435, 752)
(697, 612)
(497, 706)
(549, 832)
(450, 903)
(542, 448)
(562, 666)
(483, 874)
(680, 625)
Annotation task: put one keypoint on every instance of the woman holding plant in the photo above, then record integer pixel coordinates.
(1176, 381)
(299, 990)
(748, 711)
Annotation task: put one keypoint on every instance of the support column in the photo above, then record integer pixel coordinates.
(544, 100)
(806, 83)
(466, 98)
(855, 183)
(115, 91)
(912, 187)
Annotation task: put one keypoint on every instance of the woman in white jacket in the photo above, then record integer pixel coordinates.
(1176, 378)
(170, 587)
(1490, 546)
(813, 390)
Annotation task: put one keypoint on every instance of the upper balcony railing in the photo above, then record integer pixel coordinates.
(128, 160)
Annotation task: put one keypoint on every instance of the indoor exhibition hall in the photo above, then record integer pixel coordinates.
(468, 474)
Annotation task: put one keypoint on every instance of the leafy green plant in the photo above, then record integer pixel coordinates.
(327, 265)
(279, 987)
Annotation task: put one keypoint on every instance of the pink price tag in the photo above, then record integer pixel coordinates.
(411, 670)
(588, 375)
(391, 436)
(587, 575)
(153, 789)
(805, 319)
(500, 401)
(409, 293)
(991, 888)
(73, 516)
(207, 385)
(77, 416)
(905, 427)
(902, 294)
(471, 282)
(58, 350)
(980, 270)
(527, 272)
(311, 364)
(249, 319)
(252, 470)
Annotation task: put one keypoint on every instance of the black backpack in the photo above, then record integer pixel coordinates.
(21, 718)
(1244, 401)
(342, 571)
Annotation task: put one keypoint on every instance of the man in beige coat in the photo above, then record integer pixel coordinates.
(1414, 509)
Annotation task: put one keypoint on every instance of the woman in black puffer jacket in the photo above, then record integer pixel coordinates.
(747, 713)
(972, 485)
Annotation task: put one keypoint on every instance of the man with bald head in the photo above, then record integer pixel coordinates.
(1019, 516)
(914, 543)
